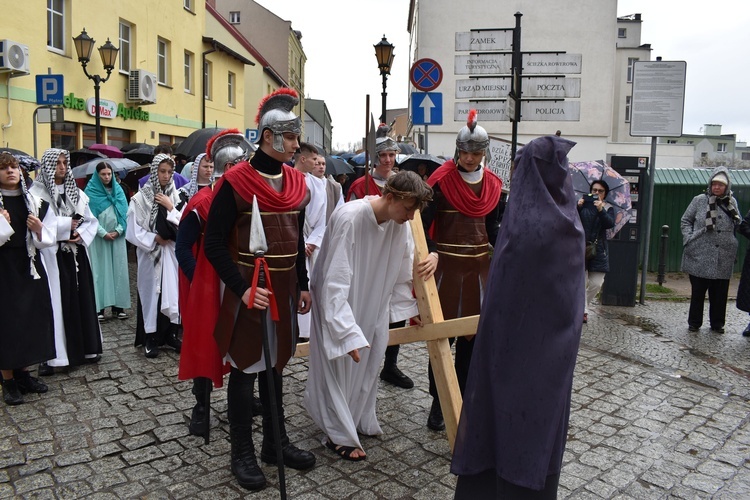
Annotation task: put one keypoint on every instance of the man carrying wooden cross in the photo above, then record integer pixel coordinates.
(465, 216)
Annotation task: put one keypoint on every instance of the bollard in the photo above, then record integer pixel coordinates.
(662, 254)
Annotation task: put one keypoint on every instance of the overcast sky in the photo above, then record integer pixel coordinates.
(338, 38)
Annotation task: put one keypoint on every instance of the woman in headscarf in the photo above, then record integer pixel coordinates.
(200, 177)
(709, 249)
(109, 258)
(153, 217)
(27, 332)
(514, 421)
(78, 337)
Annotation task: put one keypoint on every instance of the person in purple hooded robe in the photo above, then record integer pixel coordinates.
(511, 435)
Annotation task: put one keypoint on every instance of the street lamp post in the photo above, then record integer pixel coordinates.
(84, 46)
(384, 54)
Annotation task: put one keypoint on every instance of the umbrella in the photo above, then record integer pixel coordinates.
(407, 148)
(337, 166)
(135, 145)
(142, 155)
(106, 150)
(119, 165)
(195, 143)
(585, 173)
(25, 160)
(357, 160)
(81, 156)
(179, 180)
(412, 162)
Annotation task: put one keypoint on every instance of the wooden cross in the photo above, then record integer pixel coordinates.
(436, 332)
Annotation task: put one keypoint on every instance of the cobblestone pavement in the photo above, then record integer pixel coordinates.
(657, 413)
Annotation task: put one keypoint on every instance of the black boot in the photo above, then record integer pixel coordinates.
(172, 339)
(390, 372)
(201, 414)
(11, 394)
(28, 384)
(435, 420)
(293, 457)
(239, 400)
(746, 331)
(151, 346)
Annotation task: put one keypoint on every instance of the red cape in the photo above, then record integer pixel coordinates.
(460, 195)
(200, 355)
(358, 188)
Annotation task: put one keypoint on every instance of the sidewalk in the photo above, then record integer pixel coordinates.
(679, 285)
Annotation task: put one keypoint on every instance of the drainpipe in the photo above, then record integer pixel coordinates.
(203, 86)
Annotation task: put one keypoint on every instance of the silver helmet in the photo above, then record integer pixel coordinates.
(275, 113)
(228, 146)
(471, 137)
(383, 142)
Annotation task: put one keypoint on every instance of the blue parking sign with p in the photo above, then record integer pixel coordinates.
(49, 90)
(251, 134)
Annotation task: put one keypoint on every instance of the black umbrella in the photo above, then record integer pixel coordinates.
(25, 160)
(195, 143)
(406, 148)
(142, 155)
(81, 156)
(135, 145)
(412, 162)
(336, 166)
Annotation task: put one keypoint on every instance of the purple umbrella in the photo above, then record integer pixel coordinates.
(179, 180)
(585, 173)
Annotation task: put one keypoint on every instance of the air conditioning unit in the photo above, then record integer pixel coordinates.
(14, 57)
(141, 86)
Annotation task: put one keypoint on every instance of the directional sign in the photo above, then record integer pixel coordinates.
(485, 40)
(49, 90)
(497, 111)
(427, 108)
(538, 63)
(426, 74)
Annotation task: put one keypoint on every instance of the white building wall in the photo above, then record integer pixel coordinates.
(588, 27)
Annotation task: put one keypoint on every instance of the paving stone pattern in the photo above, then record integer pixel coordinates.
(657, 412)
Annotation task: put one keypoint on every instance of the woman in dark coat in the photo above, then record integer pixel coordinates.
(596, 216)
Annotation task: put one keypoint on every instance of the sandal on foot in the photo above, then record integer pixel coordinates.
(344, 452)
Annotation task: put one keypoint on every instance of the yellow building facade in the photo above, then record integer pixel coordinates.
(158, 92)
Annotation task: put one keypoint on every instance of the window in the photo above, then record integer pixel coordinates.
(230, 89)
(721, 147)
(207, 80)
(89, 134)
(118, 137)
(188, 4)
(56, 25)
(745, 156)
(162, 61)
(704, 155)
(63, 135)
(234, 17)
(631, 67)
(628, 101)
(622, 32)
(690, 142)
(125, 37)
(188, 72)
(671, 141)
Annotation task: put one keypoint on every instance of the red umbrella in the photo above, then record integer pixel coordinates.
(106, 149)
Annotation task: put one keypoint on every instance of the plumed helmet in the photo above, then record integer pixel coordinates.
(228, 146)
(472, 137)
(275, 113)
(384, 142)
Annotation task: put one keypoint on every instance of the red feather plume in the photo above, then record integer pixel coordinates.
(211, 141)
(281, 91)
(471, 121)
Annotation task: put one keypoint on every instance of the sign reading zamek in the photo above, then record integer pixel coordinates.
(484, 40)
(499, 87)
(551, 63)
(495, 111)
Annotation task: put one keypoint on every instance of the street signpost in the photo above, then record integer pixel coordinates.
(427, 108)
(497, 87)
(656, 110)
(485, 40)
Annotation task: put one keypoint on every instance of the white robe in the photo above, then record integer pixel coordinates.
(315, 226)
(148, 286)
(361, 282)
(87, 231)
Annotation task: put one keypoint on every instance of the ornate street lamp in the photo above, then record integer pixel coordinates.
(84, 46)
(384, 54)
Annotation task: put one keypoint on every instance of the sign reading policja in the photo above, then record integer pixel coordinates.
(658, 98)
